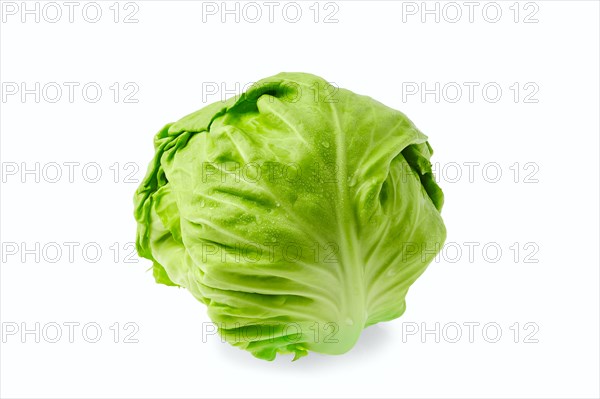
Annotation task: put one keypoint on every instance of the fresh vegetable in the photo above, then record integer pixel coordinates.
(299, 213)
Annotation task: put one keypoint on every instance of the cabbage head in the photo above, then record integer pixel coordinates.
(297, 212)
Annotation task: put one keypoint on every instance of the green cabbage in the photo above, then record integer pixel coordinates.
(299, 213)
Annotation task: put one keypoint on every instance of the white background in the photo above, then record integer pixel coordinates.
(550, 209)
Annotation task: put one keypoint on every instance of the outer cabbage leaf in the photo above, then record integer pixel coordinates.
(297, 212)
